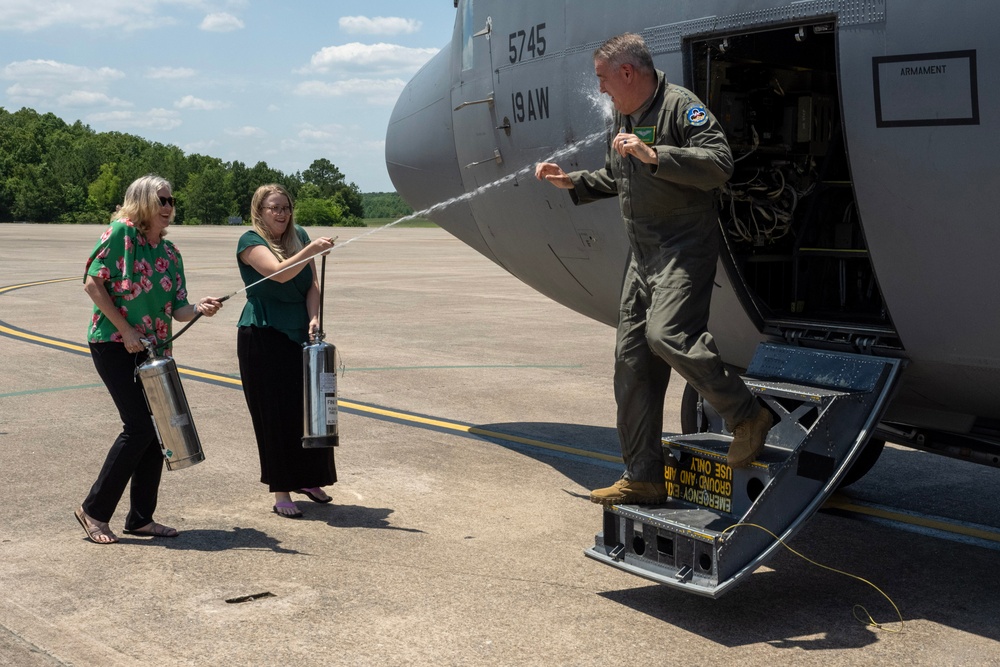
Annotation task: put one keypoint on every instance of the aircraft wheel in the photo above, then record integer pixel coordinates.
(695, 419)
(865, 461)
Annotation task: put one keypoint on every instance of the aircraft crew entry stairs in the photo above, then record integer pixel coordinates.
(707, 537)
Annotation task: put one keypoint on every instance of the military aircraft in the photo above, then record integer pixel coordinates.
(856, 231)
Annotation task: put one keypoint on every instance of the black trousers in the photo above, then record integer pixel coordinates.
(135, 454)
(271, 370)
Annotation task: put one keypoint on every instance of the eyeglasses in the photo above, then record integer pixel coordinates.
(164, 201)
(279, 210)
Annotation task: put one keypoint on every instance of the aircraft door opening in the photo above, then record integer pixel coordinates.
(797, 253)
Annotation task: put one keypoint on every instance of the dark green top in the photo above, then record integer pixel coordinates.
(281, 306)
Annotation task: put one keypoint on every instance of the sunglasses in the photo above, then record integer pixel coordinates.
(166, 200)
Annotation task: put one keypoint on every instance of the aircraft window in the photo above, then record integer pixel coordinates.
(467, 32)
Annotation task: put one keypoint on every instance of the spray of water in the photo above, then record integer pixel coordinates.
(598, 101)
(525, 171)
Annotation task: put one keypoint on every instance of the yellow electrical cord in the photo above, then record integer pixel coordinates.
(871, 621)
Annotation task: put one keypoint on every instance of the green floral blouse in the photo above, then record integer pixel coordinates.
(145, 281)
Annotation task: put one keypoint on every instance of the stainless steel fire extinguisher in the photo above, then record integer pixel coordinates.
(168, 406)
(319, 390)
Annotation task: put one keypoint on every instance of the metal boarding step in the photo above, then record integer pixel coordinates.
(825, 406)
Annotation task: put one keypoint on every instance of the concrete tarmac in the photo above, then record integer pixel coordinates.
(476, 414)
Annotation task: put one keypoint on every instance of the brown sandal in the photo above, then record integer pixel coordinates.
(98, 532)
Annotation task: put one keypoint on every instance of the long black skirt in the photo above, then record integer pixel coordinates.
(271, 370)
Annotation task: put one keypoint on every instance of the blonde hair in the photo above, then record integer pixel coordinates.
(142, 203)
(289, 243)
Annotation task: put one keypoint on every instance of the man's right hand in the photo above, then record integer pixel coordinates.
(553, 173)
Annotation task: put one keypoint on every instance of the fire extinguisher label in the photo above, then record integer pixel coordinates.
(328, 383)
(331, 410)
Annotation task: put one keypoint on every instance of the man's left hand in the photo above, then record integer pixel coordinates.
(628, 144)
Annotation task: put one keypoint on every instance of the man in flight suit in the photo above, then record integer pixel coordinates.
(664, 166)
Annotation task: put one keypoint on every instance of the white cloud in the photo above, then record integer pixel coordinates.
(40, 81)
(88, 98)
(380, 25)
(333, 140)
(202, 147)
(381, 57)
(31, 15)
(192, 102)
(23, 94)
(51, 70)
(315, 135)
(373, 91)
(246, 131)
(170, 73)
(221, 22)
(154, 119)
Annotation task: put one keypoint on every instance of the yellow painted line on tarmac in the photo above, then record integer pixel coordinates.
(210, 376)
(835, 502)
(41, 339)
(393, 414)
(840, 503)
(10, 288)
(474, 430)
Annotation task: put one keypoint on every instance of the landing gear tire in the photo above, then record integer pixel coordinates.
(865, 461)
(694, 419)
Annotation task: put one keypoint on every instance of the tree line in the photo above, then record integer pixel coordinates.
(51, 171)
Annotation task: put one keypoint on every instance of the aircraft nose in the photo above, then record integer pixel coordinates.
(420, 143)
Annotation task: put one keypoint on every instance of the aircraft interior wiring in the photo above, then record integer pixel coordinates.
(795, 239)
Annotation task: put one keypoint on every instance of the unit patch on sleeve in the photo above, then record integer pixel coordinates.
(697, 115)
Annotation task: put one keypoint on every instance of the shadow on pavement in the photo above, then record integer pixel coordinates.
(794, 604)
(582, 469)
(214, 540)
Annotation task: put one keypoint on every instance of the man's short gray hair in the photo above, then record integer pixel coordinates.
(628, 48)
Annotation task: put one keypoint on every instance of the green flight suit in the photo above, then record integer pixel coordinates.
(670, 217)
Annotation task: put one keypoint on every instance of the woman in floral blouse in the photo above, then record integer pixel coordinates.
(136, 280)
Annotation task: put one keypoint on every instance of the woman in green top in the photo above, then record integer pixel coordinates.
(279, 316)
(136, 280)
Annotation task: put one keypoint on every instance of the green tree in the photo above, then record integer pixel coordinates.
(325, 212)
(385, 205)
(353, 201)
(207, 198)
(38, 195)
(328, 178)
(242, 185)
(325, 175)
(53, 171)
(102, 194)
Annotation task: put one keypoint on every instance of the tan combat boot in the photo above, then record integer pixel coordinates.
(748, 439)
(627, 492)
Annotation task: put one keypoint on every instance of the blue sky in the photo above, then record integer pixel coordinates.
(284, 82)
